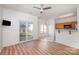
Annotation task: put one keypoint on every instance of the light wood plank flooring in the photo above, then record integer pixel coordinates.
(39, 48)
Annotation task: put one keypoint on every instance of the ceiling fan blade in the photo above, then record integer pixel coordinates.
(41, 5)
(37, 8)
(47, 8)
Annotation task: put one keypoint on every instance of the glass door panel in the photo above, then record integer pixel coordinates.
(22, 31)
(26, 31)
(30, 27)
(29, 31)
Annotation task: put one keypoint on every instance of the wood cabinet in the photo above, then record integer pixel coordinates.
(61, 25)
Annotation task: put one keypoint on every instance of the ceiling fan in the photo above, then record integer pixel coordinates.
(42, 8)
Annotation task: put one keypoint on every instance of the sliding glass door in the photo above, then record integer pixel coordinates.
(22, 31)
(26, 31)
(29, 31)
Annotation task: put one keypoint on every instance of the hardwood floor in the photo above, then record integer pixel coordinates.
(39, 48)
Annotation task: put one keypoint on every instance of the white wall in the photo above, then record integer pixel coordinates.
(0, 28)
(51, 30)
(69, 19)
(78, 19)
(11, 33)
(69, 39)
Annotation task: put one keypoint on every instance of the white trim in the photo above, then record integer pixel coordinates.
(26, 41)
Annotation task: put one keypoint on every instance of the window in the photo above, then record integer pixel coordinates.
(43, 28)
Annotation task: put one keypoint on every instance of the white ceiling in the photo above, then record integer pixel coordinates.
(57, 9)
